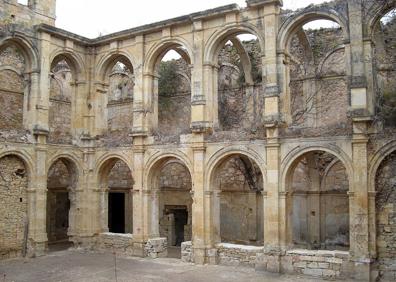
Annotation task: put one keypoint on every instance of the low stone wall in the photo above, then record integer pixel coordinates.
(156, 248)
(324, 264)
(238, 255)
(119, 243)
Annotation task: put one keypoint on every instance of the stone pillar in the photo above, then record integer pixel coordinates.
(359, 209)
(358, 80)
(38, 224)
(202, 91)
(86, 203)
(200, 224)
(141, 93)
(272, 208)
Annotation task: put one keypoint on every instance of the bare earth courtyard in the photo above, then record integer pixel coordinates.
(84, 266)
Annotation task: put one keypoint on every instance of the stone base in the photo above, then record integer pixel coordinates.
(156, 248)
(118, 243)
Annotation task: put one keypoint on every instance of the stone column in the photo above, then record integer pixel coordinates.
(200, 225)
(271, 208)
(38, 230)
(359, 209)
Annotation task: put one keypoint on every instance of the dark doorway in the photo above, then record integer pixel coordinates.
(58, 206)
(181, 219)
(117, 212)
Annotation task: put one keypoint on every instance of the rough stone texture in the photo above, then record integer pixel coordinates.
(120, 176)
(321, 264)
(118, 243)
(11, 89)
(13, 207)
(187, 252)
(156, 248)
(60, 108)
(386, 218)
(238, 255)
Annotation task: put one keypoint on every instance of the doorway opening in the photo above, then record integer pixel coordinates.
(116, 212)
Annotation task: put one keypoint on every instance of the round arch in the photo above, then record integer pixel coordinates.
(106, 163)
(290, 26)
(29, 52)
(107, 62)
(290, 161)
(378, 157)
(376, 15)
(159, 49)
(75, 62)
(217, 39)
(26, 159)
(216, 160)
(71, 160)
(157, 160)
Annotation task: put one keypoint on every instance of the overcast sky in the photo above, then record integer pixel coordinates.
(93, 17)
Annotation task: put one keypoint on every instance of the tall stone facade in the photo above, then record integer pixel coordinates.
(265, 144)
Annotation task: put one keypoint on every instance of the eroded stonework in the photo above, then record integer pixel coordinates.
(265, 143)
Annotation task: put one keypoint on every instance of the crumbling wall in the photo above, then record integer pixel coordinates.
(120, 176)
(318, 84)
(13, 207)
(240, 105)
(60, 109)
(385, 70)
(11, 92)
(385, 186)
(174, 98)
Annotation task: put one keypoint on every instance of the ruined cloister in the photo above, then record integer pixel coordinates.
(264, 143)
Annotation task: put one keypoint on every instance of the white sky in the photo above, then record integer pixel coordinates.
(93, 17)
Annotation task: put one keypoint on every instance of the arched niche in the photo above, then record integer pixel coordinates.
(315, 74)
(168, 76)
(237, 182)
(317, 186)
(14, 98)
(384, 61)
(170, 183)
(116, 198)
(235, 72)
(62, 202)
(385, 210)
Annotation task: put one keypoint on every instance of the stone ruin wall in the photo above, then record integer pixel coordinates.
(13, 207)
